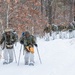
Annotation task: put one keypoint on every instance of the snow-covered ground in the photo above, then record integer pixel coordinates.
(58, 58)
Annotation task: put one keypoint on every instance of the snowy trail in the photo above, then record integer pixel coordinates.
(58, 58)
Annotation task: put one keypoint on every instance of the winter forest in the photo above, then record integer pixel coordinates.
(52, 52)
(36, 15)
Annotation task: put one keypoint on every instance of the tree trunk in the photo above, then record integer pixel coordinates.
(71, 13)
(41, 6)
(49, 12)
